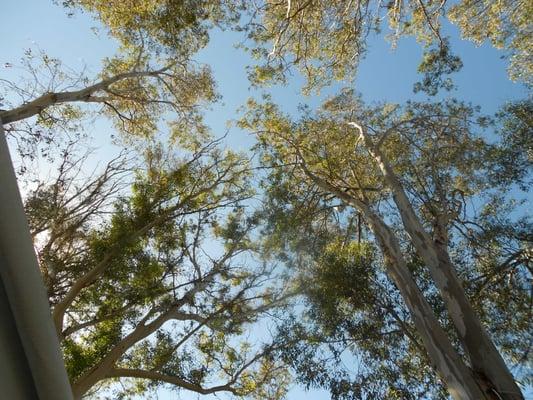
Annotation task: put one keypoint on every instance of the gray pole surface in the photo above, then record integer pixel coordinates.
(26, 295)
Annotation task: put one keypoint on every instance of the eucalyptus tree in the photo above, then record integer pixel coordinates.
(153, 282)
(152, 76)
(409, 173)
(157, 284)
(326, 40)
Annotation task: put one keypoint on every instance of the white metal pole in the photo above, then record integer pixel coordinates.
(25, 292)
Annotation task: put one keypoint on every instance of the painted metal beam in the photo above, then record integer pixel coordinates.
(34, 344)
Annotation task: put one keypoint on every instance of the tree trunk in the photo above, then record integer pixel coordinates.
(459, 379)
(489, 366)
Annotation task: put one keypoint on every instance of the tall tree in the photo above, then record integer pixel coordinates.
(152, 283)
(158, 284)
(407, 172)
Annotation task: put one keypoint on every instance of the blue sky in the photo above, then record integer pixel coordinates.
(385, 75)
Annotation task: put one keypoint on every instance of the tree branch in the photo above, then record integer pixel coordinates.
(41, 103)
(157, 376)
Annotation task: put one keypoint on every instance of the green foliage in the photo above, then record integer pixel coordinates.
(154, 278)
(442, 155)
(148, 262)
(436, 64)
(351, 309)
(515, 124)
(151, 77)
(138, 103)
(88, 350)
(291, 29)
(326, 40)
(342, 279)
(179, 28)
(506, 24)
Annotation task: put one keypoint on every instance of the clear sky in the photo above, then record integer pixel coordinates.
(384, 75)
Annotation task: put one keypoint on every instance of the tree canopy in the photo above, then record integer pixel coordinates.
(373, 250)
(326, 40)
(135, 291)
(332, 206)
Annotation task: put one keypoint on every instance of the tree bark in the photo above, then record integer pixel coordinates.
(454, 373)
(488, 364)
(174, 380)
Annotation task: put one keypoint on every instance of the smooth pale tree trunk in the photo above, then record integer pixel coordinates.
(488, 364)
(456, 376)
